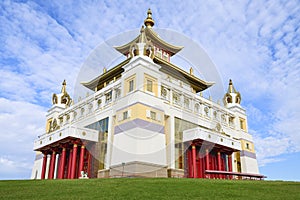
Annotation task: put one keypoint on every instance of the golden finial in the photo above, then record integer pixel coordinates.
(63, 89)
(104, 70)
(149, 22)
(230, 87)
(191, 71)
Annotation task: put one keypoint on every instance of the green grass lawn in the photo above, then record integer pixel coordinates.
(154, 188)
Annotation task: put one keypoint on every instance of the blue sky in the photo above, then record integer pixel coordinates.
(255, 43)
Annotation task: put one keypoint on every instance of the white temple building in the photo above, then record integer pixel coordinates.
(146, 118)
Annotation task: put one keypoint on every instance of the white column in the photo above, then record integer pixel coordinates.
(48, 166)
(56, 166)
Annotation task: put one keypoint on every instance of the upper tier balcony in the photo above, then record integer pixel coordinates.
(63, 133)
(211, 137)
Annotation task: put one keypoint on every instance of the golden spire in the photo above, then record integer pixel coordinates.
(63, 89)
(149, 22)
(231, 88)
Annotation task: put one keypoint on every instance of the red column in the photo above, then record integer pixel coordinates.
(70, 164)
(62, 164)
(52, 165)
(207, 161)
(81, 160)
(74, 155)
(190, 163)
(230, 165)
(194, 161)
(89, 164)
(44, 166)
(199, 166)
(219, 164)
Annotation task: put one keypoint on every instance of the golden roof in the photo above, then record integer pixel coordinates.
(100, 80)
(150, 35)
(196, 83)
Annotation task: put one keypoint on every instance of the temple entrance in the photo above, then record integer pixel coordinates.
(201, 158)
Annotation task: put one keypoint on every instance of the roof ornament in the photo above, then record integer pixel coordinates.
(232, 97)
(191, 71)
(149, 22)
(142, 36)
(231, 88)
(63, 89)
(63, 99)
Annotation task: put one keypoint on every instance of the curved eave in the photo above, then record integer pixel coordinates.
(169, 68)
(124, 49)
(155, 39)
(161, 43)
(105, 77)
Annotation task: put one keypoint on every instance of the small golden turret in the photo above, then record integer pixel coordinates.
(232, 96)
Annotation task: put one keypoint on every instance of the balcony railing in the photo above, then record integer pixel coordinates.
(210, 136)
(68, 131)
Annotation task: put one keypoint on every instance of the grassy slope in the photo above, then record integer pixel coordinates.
(124, 188)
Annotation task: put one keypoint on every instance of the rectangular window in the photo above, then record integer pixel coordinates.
(102, 127)
(117, 93)
(131, 86)
(179, 126)
(153, 115)
(108, 97)
(247, 146)
(176, 98)
(125, 115)
(149, 85)
(243, 124)
(231, 121)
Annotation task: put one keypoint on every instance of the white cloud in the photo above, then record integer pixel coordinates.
(20, 123)
(11, 166)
